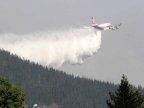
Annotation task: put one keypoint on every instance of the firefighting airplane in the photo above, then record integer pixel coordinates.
(105, 26)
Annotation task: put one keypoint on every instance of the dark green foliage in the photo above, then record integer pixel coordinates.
(142, 105)
(46, 86)
(10, 95)
(126, 96)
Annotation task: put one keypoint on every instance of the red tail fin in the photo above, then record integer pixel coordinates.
(93, 20)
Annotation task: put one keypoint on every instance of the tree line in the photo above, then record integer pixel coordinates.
(47, 86)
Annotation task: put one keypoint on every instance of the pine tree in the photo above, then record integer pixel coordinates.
(10, 95)
(125, 96)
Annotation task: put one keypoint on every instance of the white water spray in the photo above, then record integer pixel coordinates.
(54, 48)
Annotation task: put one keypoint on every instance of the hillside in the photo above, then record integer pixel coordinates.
(50, 87)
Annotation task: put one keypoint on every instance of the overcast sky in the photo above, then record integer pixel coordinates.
(121, 51)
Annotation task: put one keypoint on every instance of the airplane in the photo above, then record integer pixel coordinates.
(105, 26)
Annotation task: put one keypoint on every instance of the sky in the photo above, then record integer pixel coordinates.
(121, 51)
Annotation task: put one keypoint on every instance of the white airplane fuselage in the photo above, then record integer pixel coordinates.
(104, 26)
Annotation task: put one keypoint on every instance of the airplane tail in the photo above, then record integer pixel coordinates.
(93, 20)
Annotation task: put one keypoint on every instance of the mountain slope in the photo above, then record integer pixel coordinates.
(46, 86)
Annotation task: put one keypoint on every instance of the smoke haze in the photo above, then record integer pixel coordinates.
(54, 48)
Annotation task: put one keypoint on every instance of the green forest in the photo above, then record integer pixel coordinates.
(49, 87)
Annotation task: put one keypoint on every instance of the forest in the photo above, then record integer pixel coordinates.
(47, 86)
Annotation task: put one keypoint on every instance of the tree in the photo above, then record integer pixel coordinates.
(125, 96)
(142, 105)
(10, 95)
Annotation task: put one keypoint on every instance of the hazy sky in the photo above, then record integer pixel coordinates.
(121, 51)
